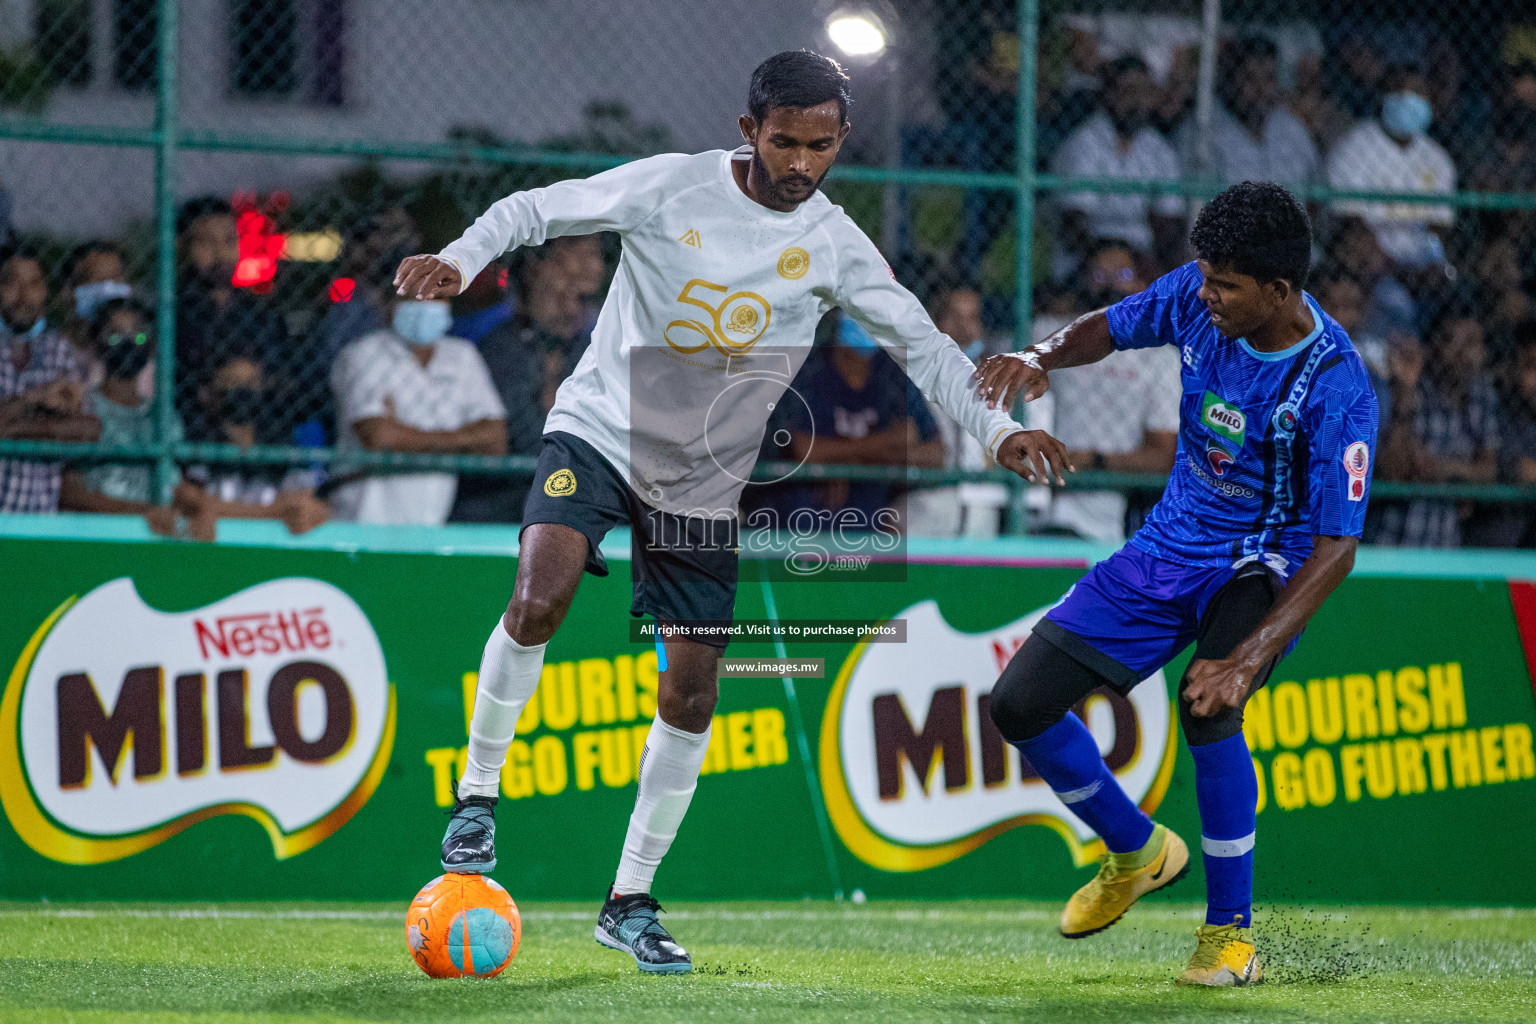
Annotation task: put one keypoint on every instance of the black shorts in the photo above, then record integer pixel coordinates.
(684, 567)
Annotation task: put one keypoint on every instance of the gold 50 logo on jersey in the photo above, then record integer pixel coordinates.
(736, 319)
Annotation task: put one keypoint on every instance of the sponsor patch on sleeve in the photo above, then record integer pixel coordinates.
(1357, 463)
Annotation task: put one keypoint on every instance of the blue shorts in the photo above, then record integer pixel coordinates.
(1133, 613)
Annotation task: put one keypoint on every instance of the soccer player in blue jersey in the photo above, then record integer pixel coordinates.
(1258, 525)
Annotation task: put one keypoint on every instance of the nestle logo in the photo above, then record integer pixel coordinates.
(263, 633)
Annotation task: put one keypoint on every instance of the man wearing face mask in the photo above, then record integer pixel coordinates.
(1396, 154)
(40, 390)
(413, 389)
(121, 334)
(93, 274)
(856, 408)
(528, 358)
(1119, 142)
(234, 406)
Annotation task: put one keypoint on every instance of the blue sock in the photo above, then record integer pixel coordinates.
(1227, 792)
(1067, 758)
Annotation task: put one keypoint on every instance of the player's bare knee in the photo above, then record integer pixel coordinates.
(688, 702)
(532, 619)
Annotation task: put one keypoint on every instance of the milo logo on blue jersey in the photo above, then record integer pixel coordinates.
(1225, 419)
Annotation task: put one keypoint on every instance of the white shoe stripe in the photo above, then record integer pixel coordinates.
(1227, 847)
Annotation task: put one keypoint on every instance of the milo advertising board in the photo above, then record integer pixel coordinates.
(268, 720)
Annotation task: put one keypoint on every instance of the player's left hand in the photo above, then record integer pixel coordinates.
(1034, 455)
(1216, 685)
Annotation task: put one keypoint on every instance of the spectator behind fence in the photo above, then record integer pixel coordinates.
(1517, 452)
(858, 408)
(1394, 153)
(211, 312)
(528, 359)
(1119, 142)
(1342, 297)
(1502, 298)
(1120, 414)
(1444, 428)
(1389, 306)
(1508, 526)
(970, 509)
(361, 305)
(1253, 136)
(121, 333)
(41, 392)
(581, 259)
(234, 400)
(93, 273)
(411, 388)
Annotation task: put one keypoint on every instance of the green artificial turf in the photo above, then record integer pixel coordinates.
(811, 961)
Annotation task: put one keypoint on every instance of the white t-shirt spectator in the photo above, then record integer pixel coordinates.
(1370, 160)
(1093, 151)
(1106, 407)
(1284, 151)
(452, 391)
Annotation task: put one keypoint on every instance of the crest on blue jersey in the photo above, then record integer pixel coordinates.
(1218, 458)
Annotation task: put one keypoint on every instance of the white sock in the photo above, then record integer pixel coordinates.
(669, 773)
(509, 673)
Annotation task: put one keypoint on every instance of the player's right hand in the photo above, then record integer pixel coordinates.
(427, 277)
(1002, 378)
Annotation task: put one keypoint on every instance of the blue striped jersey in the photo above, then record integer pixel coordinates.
(1274, 447)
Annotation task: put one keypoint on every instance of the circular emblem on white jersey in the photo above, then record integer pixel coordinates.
(793, 263)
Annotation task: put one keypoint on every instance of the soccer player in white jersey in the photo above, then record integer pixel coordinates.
(725, 254)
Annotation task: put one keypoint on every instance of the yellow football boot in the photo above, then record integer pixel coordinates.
(1225, 958)
(1123, 879)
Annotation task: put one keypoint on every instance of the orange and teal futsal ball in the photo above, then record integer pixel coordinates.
(463, 926)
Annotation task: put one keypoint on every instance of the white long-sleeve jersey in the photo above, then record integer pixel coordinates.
(712, 311)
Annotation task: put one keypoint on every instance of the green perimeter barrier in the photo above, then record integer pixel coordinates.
(276, 717)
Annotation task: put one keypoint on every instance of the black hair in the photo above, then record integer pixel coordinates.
(1253, 46)
(1396, 74)
(1103, 245)
(1121, 65)
(1256, 228)
(19, 251)
(203, 206)
(1332, 272)
(78, 254)
(799, 79)
(1460, 304)
(102, 315)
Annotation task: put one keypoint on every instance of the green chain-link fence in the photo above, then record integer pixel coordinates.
(253, 170)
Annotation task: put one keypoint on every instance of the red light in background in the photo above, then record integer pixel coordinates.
(261, 244)
(342, 289)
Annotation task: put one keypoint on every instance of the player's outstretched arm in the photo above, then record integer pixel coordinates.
(1214, 685)
(615, 200)
(1003, 378)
